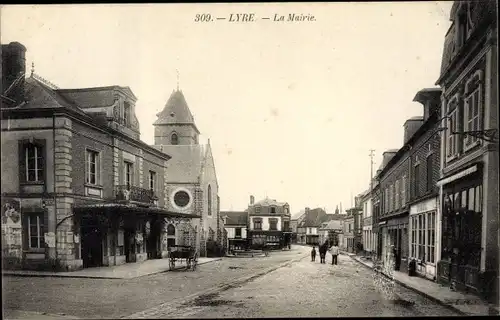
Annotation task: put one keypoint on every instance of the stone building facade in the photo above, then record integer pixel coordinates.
(267, 220)
(79, 187)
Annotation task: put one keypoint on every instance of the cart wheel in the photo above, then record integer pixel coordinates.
(171, 264)
(195, 261)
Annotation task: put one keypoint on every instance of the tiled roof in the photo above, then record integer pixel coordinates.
(270, 202)
(186, 162)
(38, 95)
(235, 217)
(314, 218)
(95, 97)
(176, 111)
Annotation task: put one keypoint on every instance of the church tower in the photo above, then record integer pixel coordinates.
(175, 124)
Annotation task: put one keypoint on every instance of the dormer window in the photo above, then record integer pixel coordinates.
(126, 114)
(273, 209)
(174, 139)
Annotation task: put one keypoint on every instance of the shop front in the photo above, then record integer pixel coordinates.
(423, 217)
(114, 234)
(462, 220)
(267, 239)
(395, 242)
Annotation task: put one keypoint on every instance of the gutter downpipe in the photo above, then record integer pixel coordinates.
(54, 173)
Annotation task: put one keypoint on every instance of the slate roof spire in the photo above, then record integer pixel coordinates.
(176, 111)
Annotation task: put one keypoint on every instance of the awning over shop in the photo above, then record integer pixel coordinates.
(127, 209)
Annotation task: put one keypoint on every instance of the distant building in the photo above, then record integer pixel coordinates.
(354, 236)
(236, 224)
(268, 219)
(332, 231)
(309, 226)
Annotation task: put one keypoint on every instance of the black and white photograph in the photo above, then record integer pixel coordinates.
(249, 160)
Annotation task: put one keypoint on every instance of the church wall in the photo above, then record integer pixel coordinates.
(186, 134)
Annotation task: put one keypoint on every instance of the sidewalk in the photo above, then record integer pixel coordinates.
(467, 304)
(124, 271)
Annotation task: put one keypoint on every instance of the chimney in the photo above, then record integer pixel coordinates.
(13, 67)
(252, 200)
(307, 209)
(411, 126)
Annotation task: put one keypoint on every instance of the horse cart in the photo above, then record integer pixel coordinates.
(179, 253)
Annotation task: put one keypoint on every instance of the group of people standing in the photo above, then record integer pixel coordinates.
(323, 249)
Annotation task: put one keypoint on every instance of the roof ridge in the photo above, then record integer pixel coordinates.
(44, 81)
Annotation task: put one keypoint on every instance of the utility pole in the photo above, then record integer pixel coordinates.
(371, 155)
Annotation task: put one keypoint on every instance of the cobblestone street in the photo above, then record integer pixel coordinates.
(306, 289)
(110, 298)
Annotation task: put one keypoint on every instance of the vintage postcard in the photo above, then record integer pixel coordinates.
(249, 160)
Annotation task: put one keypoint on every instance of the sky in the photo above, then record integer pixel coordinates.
(291, 108)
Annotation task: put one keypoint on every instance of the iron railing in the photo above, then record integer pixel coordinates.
(133, 193)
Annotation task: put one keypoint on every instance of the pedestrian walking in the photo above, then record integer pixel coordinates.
(322, 252)
(313, 254)
(334, 250)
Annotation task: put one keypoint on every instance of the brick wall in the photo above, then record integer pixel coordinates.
(396, 172)
(85, 137)
(428, 144)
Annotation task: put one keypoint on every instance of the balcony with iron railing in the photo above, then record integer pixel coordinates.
(139, 195)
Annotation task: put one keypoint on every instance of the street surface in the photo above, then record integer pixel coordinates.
(309, 289)
(114, 298)
(301, 289)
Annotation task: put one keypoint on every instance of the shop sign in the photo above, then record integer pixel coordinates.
(424, 206)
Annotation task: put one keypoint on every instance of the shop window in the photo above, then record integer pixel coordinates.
(431, 237)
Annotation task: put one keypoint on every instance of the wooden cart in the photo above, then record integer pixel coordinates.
(179, 252)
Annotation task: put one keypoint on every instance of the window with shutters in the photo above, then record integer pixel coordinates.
(451, 140)
(416, 184)
(429, 168)
(403, 191)
(398, 194)
(472, 109)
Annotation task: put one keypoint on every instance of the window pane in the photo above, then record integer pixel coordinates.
(478, 203)
(33, 242)
(471, 199)
(464, 199)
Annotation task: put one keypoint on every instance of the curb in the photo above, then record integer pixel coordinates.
(444, 304)
(223, 287)
(55, 275)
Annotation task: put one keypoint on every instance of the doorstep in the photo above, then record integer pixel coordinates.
(124, 271)
(464, 303)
